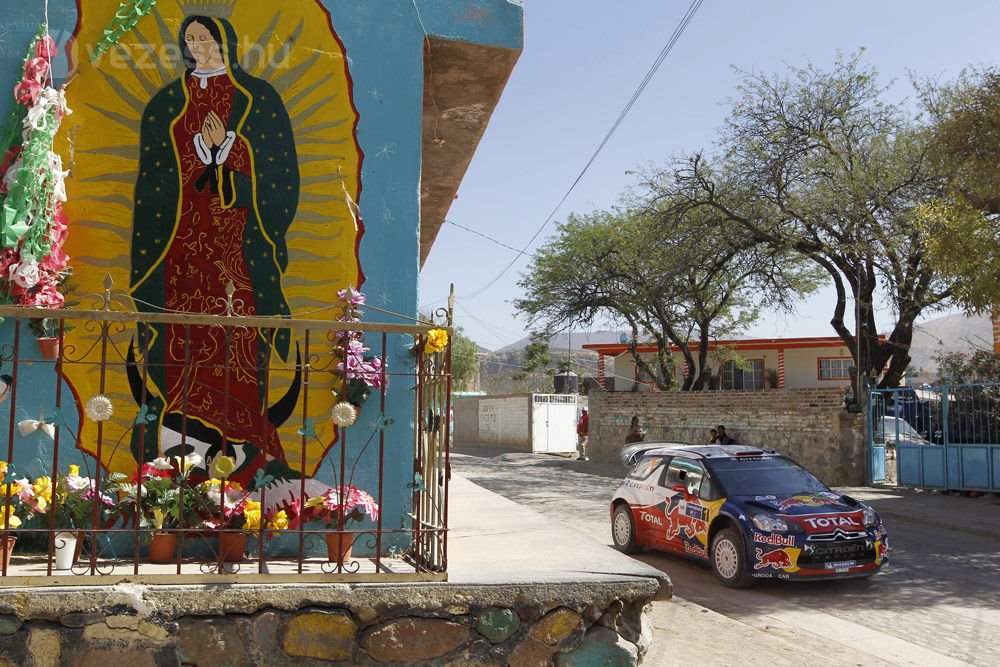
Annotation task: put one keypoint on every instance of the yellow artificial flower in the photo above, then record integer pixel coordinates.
(74, 471)
(314, 502)
(42, 488)
(251, 512)
(279, 521)
(12, 520)
(3, 469)
(437, 340)
(158, 517)
(223, 466)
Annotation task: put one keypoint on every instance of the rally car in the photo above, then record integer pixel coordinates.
(752, 513)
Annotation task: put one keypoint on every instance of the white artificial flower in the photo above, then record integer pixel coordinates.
(26, 273)
(161, 463)
(344, 414)
(99, 408)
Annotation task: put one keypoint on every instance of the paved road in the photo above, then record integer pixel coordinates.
(939, 603)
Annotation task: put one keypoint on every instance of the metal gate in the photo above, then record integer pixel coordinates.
(940, 437)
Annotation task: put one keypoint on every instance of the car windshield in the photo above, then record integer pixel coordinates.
(755, 476)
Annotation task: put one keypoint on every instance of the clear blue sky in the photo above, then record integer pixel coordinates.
(581, 63)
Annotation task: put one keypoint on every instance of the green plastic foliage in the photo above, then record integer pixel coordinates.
(128, 15)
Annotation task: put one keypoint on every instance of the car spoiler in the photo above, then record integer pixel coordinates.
(632, 453)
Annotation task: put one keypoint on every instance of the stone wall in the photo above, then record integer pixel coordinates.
(494, 420)
(809, 425)
(411, 624)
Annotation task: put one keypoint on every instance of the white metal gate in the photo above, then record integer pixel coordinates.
(553, 423)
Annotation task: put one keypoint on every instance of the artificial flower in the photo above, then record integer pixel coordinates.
(352, 296)
(99, 408)
(8, 519)
(344, 414)
(37, 69)
(42, 488)
(27, 92)
(26, 273)
(74, 470)
(45, 48)
(279, 521)
(437, 340)
(162, 463)
(223, 466)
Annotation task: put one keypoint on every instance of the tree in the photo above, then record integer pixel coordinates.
(670, 278)
(464, 362)
(817, 162)
(964, 239)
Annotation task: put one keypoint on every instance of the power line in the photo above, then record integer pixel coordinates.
(488, 238)
(667, 48)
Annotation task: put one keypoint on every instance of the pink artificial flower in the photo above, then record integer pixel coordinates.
(352, 296)
(46, 48)
(8, 161)
(27, 92)
(36, 69)
(45, 296)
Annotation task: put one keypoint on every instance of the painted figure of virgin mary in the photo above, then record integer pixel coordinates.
(216, 191)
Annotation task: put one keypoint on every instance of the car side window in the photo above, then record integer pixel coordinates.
(686, 473)
(645, 467)
(709, 490)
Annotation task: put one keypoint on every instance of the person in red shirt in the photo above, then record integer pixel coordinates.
(583, 434)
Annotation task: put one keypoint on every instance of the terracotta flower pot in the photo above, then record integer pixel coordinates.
(7, 550)
(338, 546)
(49, 347)
(163, 548)
(232, 546)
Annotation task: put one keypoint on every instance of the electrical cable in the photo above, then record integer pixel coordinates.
(668, 47)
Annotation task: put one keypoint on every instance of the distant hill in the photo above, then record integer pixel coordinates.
(950, 333)
(570, 341)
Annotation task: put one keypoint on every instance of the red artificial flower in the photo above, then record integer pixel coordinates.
(36, 69)
(46, 48)
(27, 92)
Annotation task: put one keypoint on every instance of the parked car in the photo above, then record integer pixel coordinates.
(751, 513)
(896, 430)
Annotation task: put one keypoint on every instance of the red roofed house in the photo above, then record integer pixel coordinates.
(770, 362)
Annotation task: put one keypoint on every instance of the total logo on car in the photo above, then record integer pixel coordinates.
(752, 513)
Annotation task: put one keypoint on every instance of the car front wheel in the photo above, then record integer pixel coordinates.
(623, 529)
(729, 560)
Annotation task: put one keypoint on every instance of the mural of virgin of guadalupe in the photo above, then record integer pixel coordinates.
(216, 191)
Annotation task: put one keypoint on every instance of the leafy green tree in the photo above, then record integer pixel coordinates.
(819, 163)
(464, 362)
(669, 278)
(963, 235)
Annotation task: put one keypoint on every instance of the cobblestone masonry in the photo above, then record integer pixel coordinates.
(809, 425)
(406, 624)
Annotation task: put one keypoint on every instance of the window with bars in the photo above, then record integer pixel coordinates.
(835, 368)
(751, 377)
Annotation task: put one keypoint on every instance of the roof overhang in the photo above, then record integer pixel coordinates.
(462, 86)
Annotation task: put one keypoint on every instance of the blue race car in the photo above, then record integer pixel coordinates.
(752, 513)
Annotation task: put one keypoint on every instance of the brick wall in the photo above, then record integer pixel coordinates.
(809, 425)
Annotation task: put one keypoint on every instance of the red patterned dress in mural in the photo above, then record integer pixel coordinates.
(207, 216)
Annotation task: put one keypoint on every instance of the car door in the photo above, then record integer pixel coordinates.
(643, 483)
(685, 514)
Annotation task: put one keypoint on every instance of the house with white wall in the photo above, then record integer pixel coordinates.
(761, 363)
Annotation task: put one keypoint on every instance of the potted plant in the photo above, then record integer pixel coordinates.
(44, 329)
(9, 505)
(162, 498)
(235, 514)
(338, 508)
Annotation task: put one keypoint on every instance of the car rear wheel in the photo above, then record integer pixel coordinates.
(623, 529)
(729, 560)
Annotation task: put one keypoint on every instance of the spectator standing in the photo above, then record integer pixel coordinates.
(583, 434)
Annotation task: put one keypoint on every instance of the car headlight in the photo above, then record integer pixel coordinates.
(870, 517)
(770, 523)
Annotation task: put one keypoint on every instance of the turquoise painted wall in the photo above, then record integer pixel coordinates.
(384, 44)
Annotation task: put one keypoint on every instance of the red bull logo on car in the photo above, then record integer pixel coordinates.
(778, 559)
(810, 500)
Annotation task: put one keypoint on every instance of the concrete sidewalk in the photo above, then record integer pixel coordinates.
(976, 516)
(493, 540)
